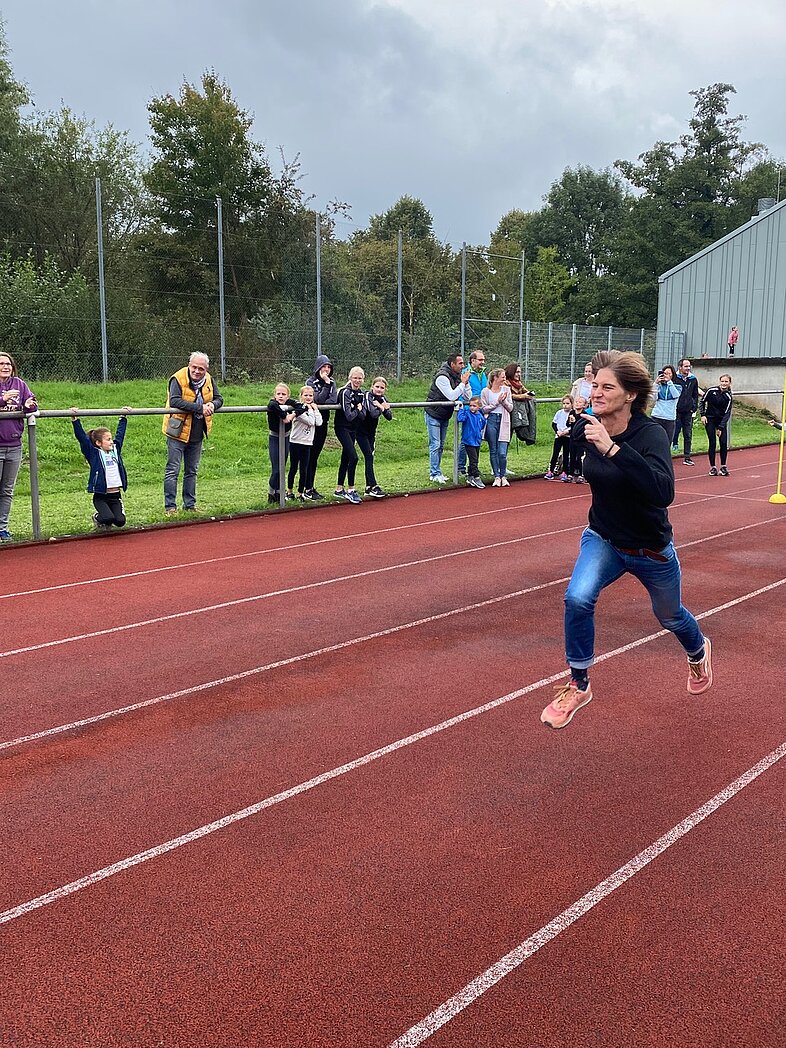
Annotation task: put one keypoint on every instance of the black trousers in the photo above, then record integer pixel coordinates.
(561, 444)
(320, 436)
(473, 454)
(366, 445)
(723, 441)
(109, 509)
(349, 457)
(684, 425)
(272, 450)
(299, 459)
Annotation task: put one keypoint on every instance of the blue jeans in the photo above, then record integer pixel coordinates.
(498, 449)
(437, 430)
(10, 460)
(598, 565)
(177, 453)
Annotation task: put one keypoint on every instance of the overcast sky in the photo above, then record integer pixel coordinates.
(474, 106)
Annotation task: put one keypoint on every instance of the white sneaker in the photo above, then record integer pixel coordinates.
(497, 483)
(439, 478)
(505, 482)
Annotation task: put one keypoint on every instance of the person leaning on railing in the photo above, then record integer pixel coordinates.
(15, 395)
(193, 397)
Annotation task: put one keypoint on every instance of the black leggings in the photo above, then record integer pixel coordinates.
(109, 509)
(723, 441)
(349, 457)
(299, 458)
(320, 436)
(561, 444)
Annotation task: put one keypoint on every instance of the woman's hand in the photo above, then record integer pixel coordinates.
(597, 434)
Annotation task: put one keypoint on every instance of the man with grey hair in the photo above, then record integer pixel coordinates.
(192, 399)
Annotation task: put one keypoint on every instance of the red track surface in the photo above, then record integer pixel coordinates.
(348, 912)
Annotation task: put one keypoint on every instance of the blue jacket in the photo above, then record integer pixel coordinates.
(97, 481)
(472, 426)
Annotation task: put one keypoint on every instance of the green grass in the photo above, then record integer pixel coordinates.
(234, 468)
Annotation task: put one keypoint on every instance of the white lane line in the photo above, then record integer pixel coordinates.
(318, 780)
(282, 592)
(389, 631)
(348, 537)
(573, 496)
(442, 1015)
(109, 714)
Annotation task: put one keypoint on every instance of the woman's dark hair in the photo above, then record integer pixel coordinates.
(630, 371)
(510, 371)
(13, 362)
(672, 369)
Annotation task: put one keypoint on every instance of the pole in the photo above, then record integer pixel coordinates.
(282, 463)
(400, 268)
(608, 346)
(521, 309)
(528, 337)
(221, 319)
(35, 500)
(101, 288)
(463, 292)
(573, 352)
(455, 447)
(778, 498)
(319, 283)
(548, 350)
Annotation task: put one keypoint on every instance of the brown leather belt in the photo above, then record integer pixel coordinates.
(651, 553)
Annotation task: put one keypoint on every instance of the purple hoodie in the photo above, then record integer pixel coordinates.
(13, 394)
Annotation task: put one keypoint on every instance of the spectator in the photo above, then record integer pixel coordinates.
(473, 423)
(301, 440)
(192, 399)
(560, 425)
(451, 382)
(376, 407)
(576, 448)
(108, 479)
(582, 387)
(688, 385)
(732, 339)
(523, 419)
(324, 393)
(478, 381)
(282, 408)
(715, 413)
(497, 404)
(15, 395)
(667, 396)
(350, 414)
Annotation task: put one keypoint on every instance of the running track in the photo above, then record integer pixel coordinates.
(281, 781)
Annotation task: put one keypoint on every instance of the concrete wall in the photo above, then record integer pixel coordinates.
(748, 374)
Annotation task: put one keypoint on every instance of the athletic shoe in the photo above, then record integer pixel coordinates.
(172, 510)
(309, 496)
(724, 471)
(315, 496)
(564, 478)
(5, 536)
(580, 480)
(476, 482)
(353, 497)
(497, 482)
(376, 492)
(505, 482)
(713, 472)
(675, 447)
(700, 673)
(438, 478)
(689, 462)
(548, 476)
(567, 479)
(566, 702)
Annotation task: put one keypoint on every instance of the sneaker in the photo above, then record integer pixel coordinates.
(567, 479)
(273, 500)
(713, 472)
(675, 448)
(566, 702)
(580, 480)
(376, 492)
(724, 471)
(309, 496)
(497, 482)
(476, 482)
(353, 497)
(548, 476)
(689, 462)
(700, 673)
(5, 536)
(439, 478)
(505, 482)
(564, 478)
(315, 496)
(170, 511)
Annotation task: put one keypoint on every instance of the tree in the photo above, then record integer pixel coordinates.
(546, 288)
(409, 215)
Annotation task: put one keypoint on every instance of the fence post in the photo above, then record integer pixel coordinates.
(455, 446)
(319, 282)
(521, 307)
(282, 463)
(400, 267)
(573, 353)
(548, 351)
(611, 329)
(101, 288)
(528, 330)
(463, 292)
(221, 324)
(641, 342)
(35, 501)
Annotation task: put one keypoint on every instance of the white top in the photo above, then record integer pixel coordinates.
(303, 426)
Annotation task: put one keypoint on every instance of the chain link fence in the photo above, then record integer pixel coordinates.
(85, 298)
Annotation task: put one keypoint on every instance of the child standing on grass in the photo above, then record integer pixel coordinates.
(561, 440)
(576, 448)
(376, 406)
(108, 479)
(473, 423)
(281, 407)
(301, 439)
(350, 414)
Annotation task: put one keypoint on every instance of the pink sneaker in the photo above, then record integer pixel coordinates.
(568, 699)
(700, 673)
